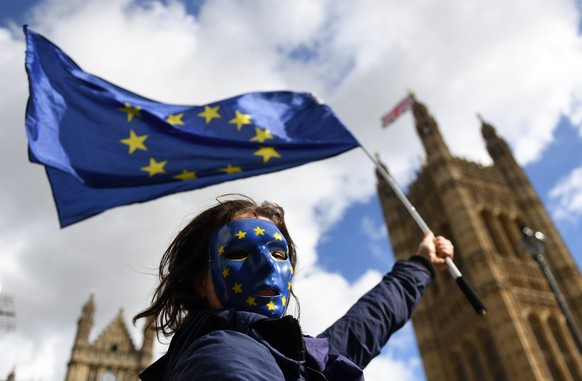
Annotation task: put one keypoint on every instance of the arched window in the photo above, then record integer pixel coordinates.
(494, 232)
(461, 361)
(567, 355)
(511, 231)
(477, 366)
(493, 359)
(92, 374)
(544, 347)
(460, 372)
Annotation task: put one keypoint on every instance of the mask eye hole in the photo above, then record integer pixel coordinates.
(279, 255)
(237, 255)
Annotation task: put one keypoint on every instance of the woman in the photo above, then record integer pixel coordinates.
(225, 284)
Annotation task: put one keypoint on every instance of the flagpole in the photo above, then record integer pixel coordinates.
(453, 270)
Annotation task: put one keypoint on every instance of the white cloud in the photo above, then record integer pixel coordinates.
(385, 365)
(566, 197)
(517, 62)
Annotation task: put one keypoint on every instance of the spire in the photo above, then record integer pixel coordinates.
(496, 146)
(85, 322)
(505, 162)
(428, 131)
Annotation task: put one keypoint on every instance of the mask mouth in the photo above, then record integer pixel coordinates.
(268, 292)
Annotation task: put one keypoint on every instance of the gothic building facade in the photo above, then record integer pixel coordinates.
(525, 335)
(112, 356)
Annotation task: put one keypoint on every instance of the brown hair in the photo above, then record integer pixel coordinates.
(186, 259)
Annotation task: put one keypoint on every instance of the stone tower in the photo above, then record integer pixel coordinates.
(112, 356)
(525, 335)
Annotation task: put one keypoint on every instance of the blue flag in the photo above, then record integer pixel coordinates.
(104, 146)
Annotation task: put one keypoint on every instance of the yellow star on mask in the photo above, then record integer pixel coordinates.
(241, 234)
(284, 301)
(240, 119)
(230, 169)
(259, 231)
(251, 301)
(225, 272)
(271, 306)
(237, 288)
(291, 270)
(278, 236)
(267, 153)
(186, 175)
(155, 167)
(131, 111)
(175, 119)
(210, 113)
(261, 135)
(135, 142)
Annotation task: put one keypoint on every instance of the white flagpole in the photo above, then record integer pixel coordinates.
(453, 270)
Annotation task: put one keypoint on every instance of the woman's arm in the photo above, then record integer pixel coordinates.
(362, 332)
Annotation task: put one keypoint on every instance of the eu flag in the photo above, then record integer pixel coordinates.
(104, 146)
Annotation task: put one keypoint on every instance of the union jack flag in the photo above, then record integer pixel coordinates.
(397, 110)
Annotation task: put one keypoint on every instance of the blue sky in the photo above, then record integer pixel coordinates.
(517, 65)
(559, 159)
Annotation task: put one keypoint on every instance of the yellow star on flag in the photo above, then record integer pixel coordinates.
(210, 113)
(135, 142)
(261, 135)
(186, 175)
(175, 119)
(237, 288)
(271, 306)
(259, 231)
(221, 250)
(240, 119)
(155, 167)
(230, 169)
(278, 236)
(251, 301)
(225, 272)
(267, 153)
(131, 111)
(241, 234)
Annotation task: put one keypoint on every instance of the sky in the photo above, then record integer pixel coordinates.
(516, 62)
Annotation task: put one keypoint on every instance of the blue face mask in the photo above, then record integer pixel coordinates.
(250, 266)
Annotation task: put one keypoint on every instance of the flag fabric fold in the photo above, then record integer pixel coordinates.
(400, 108)
(104, 146)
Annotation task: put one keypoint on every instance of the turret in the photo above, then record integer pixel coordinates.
(85, 322)
(11, 376)
(504, 160)
(429, 134)
(536, 215)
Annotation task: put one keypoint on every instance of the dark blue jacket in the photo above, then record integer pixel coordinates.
(237, 345)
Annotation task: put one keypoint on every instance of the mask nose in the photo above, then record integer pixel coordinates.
(263, 262)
